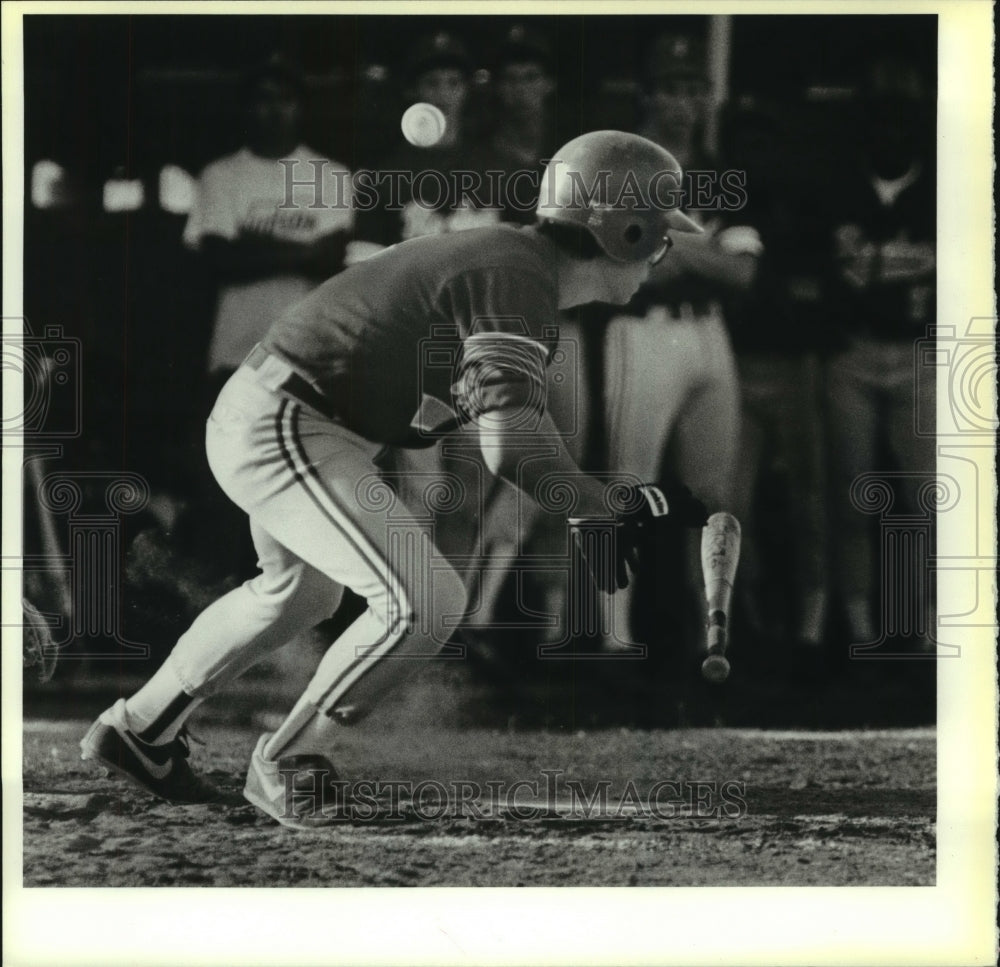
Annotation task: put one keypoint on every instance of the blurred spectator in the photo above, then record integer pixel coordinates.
(267, 245)
(523, 136)
(883, 294)
(416, 190)
(779, 336)
(267, 242)
(671, 389)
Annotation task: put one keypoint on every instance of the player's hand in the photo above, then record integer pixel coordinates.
(610, 547)
(648, 505)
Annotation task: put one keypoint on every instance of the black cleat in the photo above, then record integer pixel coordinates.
(159, 769)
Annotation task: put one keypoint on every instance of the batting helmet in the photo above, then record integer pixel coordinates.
(622, 188)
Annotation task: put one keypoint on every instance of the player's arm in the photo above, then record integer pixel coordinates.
(521, 444)
(513, 457)
(501, 383)
(501, 386)
(504, 387)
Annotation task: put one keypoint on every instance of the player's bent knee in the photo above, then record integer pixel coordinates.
(431, 611)
(299, 589)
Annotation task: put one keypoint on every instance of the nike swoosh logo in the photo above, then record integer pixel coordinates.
(158, 770)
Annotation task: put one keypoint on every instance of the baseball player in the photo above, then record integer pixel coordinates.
(883, 290)
(670, 381)
(298, 435)
(263, 253)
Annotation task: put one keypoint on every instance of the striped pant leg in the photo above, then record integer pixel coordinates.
(322, 514)
(415, 598)
(242, 627)
(338, 516)
(651, 366)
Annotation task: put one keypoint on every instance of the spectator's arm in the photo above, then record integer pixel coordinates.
(729, 258)
(217, 229)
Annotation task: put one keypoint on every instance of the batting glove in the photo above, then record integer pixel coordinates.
(649, 505)
(609, 548)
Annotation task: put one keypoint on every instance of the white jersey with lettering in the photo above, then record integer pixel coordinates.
(295, 199)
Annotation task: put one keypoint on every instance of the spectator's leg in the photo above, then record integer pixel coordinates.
(852, 410)
(802, 451)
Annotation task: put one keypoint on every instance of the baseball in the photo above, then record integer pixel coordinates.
(423, 124)
(715, 668)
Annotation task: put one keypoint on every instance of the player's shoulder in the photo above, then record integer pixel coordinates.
(498, 247)
(306, 153)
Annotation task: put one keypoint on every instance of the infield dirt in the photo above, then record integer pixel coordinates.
(821, 808)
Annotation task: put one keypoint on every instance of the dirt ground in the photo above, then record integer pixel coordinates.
(743, 807)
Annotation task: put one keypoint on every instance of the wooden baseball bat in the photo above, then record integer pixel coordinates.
(720, 554)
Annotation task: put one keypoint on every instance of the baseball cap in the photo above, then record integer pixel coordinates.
(440, 49)
(675, 55)
(521, 43)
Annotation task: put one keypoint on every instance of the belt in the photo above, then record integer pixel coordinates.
(279, 376)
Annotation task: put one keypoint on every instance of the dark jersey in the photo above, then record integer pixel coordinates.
(466, 318)
(883, 278)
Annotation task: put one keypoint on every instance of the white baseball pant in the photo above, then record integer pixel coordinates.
(318, 514)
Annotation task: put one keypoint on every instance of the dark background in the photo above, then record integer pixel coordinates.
(122, 96)
(104, 92)
(126, 95)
